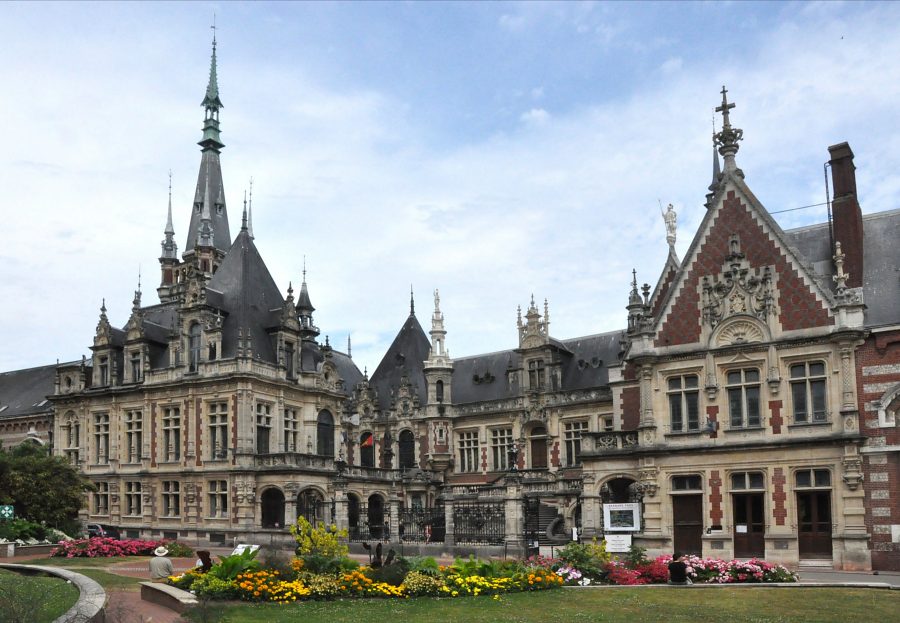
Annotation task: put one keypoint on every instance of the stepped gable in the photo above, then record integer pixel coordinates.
(406, 356)
(802, 301)
(666, 279)
(244, 289)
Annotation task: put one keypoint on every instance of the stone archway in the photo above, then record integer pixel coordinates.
(272, 503)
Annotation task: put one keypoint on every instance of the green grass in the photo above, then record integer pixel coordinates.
(34, 598)
(726, 605)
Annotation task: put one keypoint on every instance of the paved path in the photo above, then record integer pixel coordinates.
(829, 576)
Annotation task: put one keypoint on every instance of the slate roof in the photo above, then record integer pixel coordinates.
(209, 161)
(244, 289)
(585, 366)
(24, 392)
(881, 262)
(406, 355)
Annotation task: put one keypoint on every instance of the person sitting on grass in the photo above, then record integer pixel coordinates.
(678, 571)
(160, 566)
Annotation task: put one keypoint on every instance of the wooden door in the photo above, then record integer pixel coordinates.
(749, 525)
(539, 453)
(687, 513)
(814, 524)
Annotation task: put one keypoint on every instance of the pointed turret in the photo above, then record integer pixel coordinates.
(308, 330)
(716, 173)
(635, 306)
(209, 197)
(438, 367)
(168, 259)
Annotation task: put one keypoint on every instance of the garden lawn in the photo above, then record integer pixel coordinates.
(34, 598)
(626, 605)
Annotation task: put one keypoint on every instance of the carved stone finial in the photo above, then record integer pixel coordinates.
(729, 137)
(840, 277)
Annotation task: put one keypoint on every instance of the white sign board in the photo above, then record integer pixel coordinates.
(625, 517)
(617, 542)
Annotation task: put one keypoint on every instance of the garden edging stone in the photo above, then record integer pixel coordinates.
(91, 596)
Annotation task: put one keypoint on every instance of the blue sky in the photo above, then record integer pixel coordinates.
(492, 150)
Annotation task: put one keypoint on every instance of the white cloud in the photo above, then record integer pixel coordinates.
(535, 116)
(671, 65)
(561, 206)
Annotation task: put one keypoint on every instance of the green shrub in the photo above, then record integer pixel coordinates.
(213, 587)
(22, 529)
(392, 574)
(178, 550)
(319, 540)
(422, 564)
(229, 567)
(589, 558)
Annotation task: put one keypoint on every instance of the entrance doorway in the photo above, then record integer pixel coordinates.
(749, 525)
(538, 443)
(272, 501)
(687, 514)
(814, 524)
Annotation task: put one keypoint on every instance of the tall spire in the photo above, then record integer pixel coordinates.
(210, 194)
(205, 236)
(439, 356)
(349, 350)
(169, 248)
(729, 137)
(212, 104)
(244, 216)
(250, 212)
(412, 302)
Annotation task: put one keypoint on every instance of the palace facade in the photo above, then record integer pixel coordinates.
(748, 407)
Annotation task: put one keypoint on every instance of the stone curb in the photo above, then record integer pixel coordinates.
(91, 596)
(167, 596)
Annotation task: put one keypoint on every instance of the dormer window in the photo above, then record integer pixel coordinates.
(194, 347)
(536, 374)
(104, 370)
(136, 366)
(289, 358)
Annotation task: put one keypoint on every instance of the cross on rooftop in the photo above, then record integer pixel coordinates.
(724, 108)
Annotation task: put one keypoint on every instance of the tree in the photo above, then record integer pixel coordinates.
(42, 487)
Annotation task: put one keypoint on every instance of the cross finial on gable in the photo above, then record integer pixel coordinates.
(724, 108)
(728, 138)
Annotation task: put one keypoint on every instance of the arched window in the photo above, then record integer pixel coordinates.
(367, 450)
(194, 346)
(407, 444)
(325, 434)
(439, 391)
(378, 529)
(311, 505)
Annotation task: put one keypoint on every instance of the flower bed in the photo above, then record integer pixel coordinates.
(103, 547)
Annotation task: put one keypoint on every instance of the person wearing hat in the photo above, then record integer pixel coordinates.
(160, 566)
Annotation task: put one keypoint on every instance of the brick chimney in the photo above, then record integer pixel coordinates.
(848, 226)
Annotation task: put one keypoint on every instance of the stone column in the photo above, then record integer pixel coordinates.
(449, 536)
(515, 518)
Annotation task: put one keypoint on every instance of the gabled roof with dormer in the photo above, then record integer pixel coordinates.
(404, 358)
(244, 289)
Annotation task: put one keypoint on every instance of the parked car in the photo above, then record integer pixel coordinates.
(96, 529)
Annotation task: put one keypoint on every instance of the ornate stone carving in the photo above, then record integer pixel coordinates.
(737, 290)
(739, 332)
(852, 475)
(649, 480)
(245, 492)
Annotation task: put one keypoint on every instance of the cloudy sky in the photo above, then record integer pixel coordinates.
(489, 150)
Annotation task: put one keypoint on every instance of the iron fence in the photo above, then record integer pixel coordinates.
(479, 522)
(370, 523)
(421, 525)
